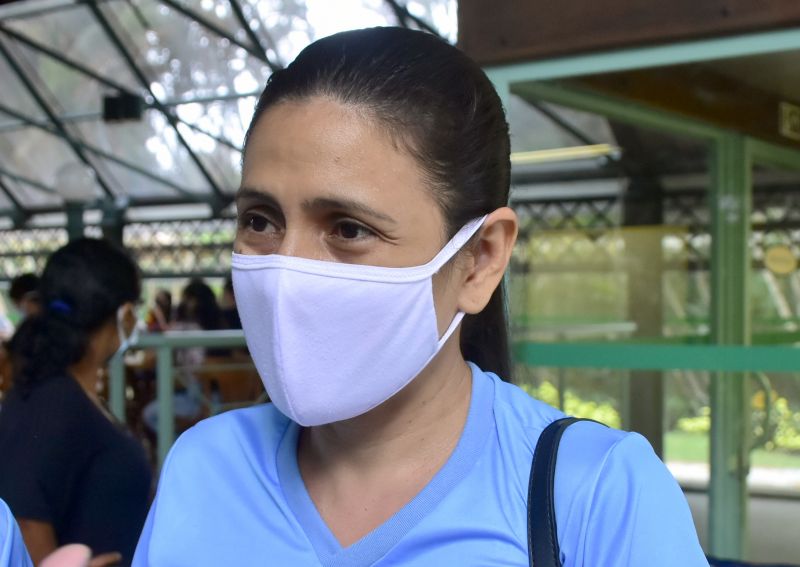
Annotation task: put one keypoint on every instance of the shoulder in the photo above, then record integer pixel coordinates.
(12, 548)
(51, 409)
(251, 434)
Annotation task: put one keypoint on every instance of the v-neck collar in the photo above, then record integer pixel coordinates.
(379, 541)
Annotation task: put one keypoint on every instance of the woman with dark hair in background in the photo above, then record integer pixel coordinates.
(69, 472)
(197, 311)
(372, 241)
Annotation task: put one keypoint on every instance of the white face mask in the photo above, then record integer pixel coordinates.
(332, 341)
(125, 340)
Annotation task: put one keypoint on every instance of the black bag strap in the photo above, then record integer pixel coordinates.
(542, 529)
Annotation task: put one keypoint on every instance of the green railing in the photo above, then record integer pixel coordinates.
(164, 346)
(642, 356)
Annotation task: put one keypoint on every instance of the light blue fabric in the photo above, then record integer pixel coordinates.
(230, 494)
(13, 552)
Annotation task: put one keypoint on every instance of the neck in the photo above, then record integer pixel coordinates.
(421, 423)
(85, 372)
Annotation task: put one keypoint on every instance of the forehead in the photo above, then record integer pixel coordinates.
(322, 147)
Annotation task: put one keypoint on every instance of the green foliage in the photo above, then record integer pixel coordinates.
(603, 412)
(782, 432)
(697, 424)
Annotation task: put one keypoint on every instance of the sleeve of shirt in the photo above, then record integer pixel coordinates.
(13, 552)
(638, 513)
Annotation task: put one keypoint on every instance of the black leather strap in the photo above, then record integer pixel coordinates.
(543, 550)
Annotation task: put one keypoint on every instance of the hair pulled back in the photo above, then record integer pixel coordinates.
(440, 107)
(83, 285)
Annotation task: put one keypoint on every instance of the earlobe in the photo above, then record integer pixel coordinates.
(491, 254)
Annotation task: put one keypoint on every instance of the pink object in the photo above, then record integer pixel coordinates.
(73, 555)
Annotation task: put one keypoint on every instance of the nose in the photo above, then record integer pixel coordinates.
(302, 242)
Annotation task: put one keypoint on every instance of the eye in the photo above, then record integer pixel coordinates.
(349, 230)
(254, 222)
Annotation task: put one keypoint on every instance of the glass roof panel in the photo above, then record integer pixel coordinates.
(65, 90)
(29, 196)
(289, 25)
(150, 144)
(220, 14)
(76, 35)
(5, 202)
(221, 161)
(227, 119)
(209, 79)
(15, 95)
(137, 185)
(34, 154)
(182, 59)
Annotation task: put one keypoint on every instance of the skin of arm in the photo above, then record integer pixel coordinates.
(40, 538)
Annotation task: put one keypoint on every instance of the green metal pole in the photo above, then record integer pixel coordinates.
(116, 387)
(730, 325)
(164, 391)
(75, 224)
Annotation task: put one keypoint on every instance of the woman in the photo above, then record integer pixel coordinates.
(69, 472)
(372, 219)
(197, 311)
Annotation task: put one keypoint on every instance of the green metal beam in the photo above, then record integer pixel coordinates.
(647, 356)
(647, 57)
(778, 157)
(165, 388)
(617, 109)
(730, 325)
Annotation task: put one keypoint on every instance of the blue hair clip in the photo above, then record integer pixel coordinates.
(60, 306)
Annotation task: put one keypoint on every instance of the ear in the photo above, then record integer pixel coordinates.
(490, 256)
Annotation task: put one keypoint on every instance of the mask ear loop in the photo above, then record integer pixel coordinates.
(451, 249)
(455, 244)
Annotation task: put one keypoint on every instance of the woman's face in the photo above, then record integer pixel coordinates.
(323, 181)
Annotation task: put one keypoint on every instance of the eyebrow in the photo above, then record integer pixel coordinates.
(319, 204)
(345, 205)
(251, 194)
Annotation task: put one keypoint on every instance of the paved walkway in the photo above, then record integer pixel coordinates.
(774, 521)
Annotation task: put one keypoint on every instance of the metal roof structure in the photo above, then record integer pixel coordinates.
(127, 105)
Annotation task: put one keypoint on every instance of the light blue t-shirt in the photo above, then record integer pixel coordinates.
(231, 494)
(13, 552)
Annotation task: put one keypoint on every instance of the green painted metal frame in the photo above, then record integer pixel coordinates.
(164, 345)
(731, 198)
(731, 158)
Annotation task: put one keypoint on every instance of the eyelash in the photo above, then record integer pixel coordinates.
(246, 223)
(359, 226)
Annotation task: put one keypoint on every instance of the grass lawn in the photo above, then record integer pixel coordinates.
(694, 447)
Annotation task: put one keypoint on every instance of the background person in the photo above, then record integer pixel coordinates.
(197, 311)
(159, 317)
(69, 472)
(25, 295)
